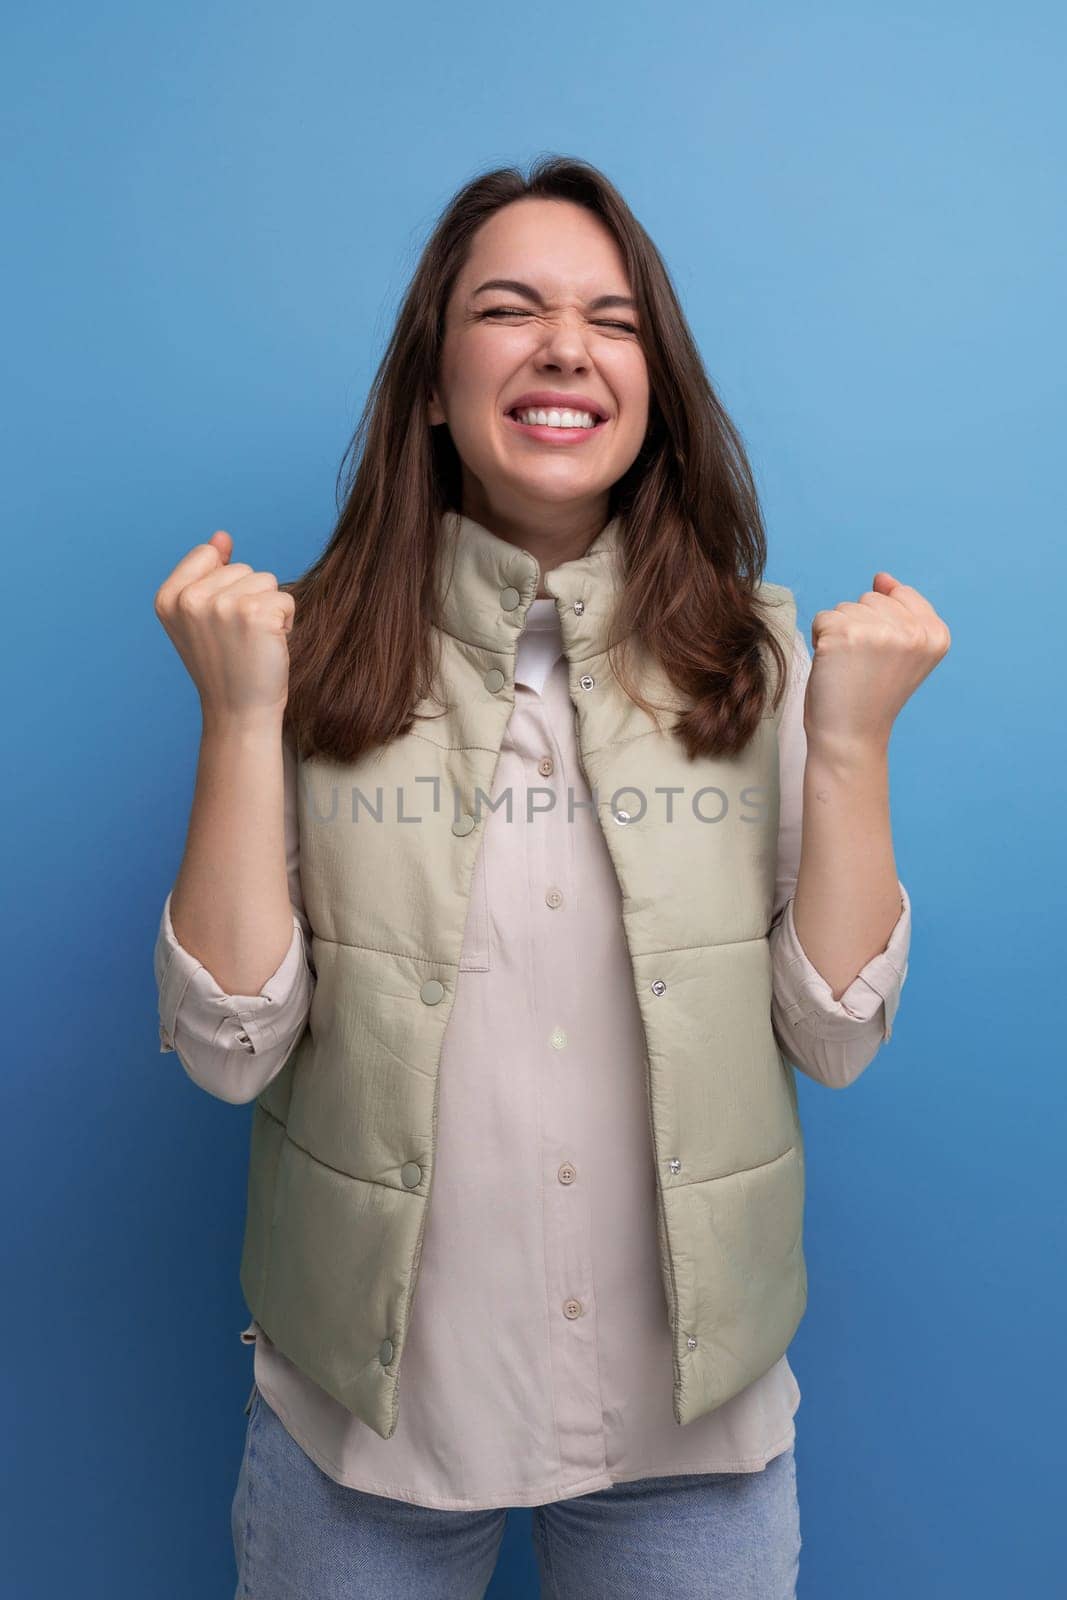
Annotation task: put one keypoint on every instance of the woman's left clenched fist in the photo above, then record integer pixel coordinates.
(868, 657)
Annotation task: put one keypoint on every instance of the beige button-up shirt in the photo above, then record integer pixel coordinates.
(538, 1359)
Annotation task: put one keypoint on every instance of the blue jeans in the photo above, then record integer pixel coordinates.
(298, 1535)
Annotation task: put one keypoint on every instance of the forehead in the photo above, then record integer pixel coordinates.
(558, 247)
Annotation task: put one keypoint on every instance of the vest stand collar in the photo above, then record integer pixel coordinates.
(490, 583)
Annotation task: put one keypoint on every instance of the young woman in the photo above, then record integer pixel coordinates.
(530, 854)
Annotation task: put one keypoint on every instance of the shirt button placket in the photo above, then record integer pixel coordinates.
(568, 1236)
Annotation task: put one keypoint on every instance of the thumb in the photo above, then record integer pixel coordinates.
(223, 543)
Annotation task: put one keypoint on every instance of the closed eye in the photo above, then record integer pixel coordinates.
(512, 311)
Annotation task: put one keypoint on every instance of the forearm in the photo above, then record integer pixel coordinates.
(230, 905)
(847, 896)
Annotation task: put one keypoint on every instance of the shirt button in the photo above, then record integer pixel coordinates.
(242, 1038)
(165, 1039)
(567, 1173)
(509, 598)
(572, 1309)
(411, 1174)
(546, 766)
(554, 898)
(557, 1039)
(494, 680)
(431, 992)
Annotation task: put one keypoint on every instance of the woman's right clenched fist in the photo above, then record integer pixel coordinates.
(231, 626)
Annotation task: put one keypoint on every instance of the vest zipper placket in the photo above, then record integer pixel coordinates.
(664, 1246)
(418, 1241)
(417, 1257)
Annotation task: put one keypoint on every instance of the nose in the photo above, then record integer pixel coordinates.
(564, 347)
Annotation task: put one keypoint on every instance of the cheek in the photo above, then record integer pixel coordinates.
(635, 408)
(629, 383)
(491, 354)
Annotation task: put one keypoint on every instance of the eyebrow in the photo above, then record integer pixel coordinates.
(530, 293)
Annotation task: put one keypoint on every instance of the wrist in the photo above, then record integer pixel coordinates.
(255, 723)
(850, 756)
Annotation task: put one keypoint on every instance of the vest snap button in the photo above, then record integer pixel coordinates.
(509, 598)
(411, 1174)
(579, 607)
(586, 681)
(674, 1164)
(622, 816)
(463, 824)
(431, 992)
(690, 1342)
(494, 680)
(385, 1352)
(659, 987)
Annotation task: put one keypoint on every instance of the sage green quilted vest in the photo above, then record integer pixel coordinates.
(342, 1141)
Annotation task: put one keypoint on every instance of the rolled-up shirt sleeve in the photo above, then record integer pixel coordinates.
(830, 1040)
(234, 1045)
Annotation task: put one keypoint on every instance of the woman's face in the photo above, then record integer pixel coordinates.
(502, 344)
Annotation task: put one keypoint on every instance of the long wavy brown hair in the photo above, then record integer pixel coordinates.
(362, 647)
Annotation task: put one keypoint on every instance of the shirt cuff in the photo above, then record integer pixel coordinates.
(804, 994)
(186, 985)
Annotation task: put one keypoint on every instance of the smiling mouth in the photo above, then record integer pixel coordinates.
(547, 429)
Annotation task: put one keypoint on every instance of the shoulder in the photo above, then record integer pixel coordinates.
(779, 608)
(775, 594)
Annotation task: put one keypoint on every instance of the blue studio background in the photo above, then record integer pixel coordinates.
(211, 212)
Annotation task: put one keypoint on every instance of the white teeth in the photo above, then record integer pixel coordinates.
(558, 419)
